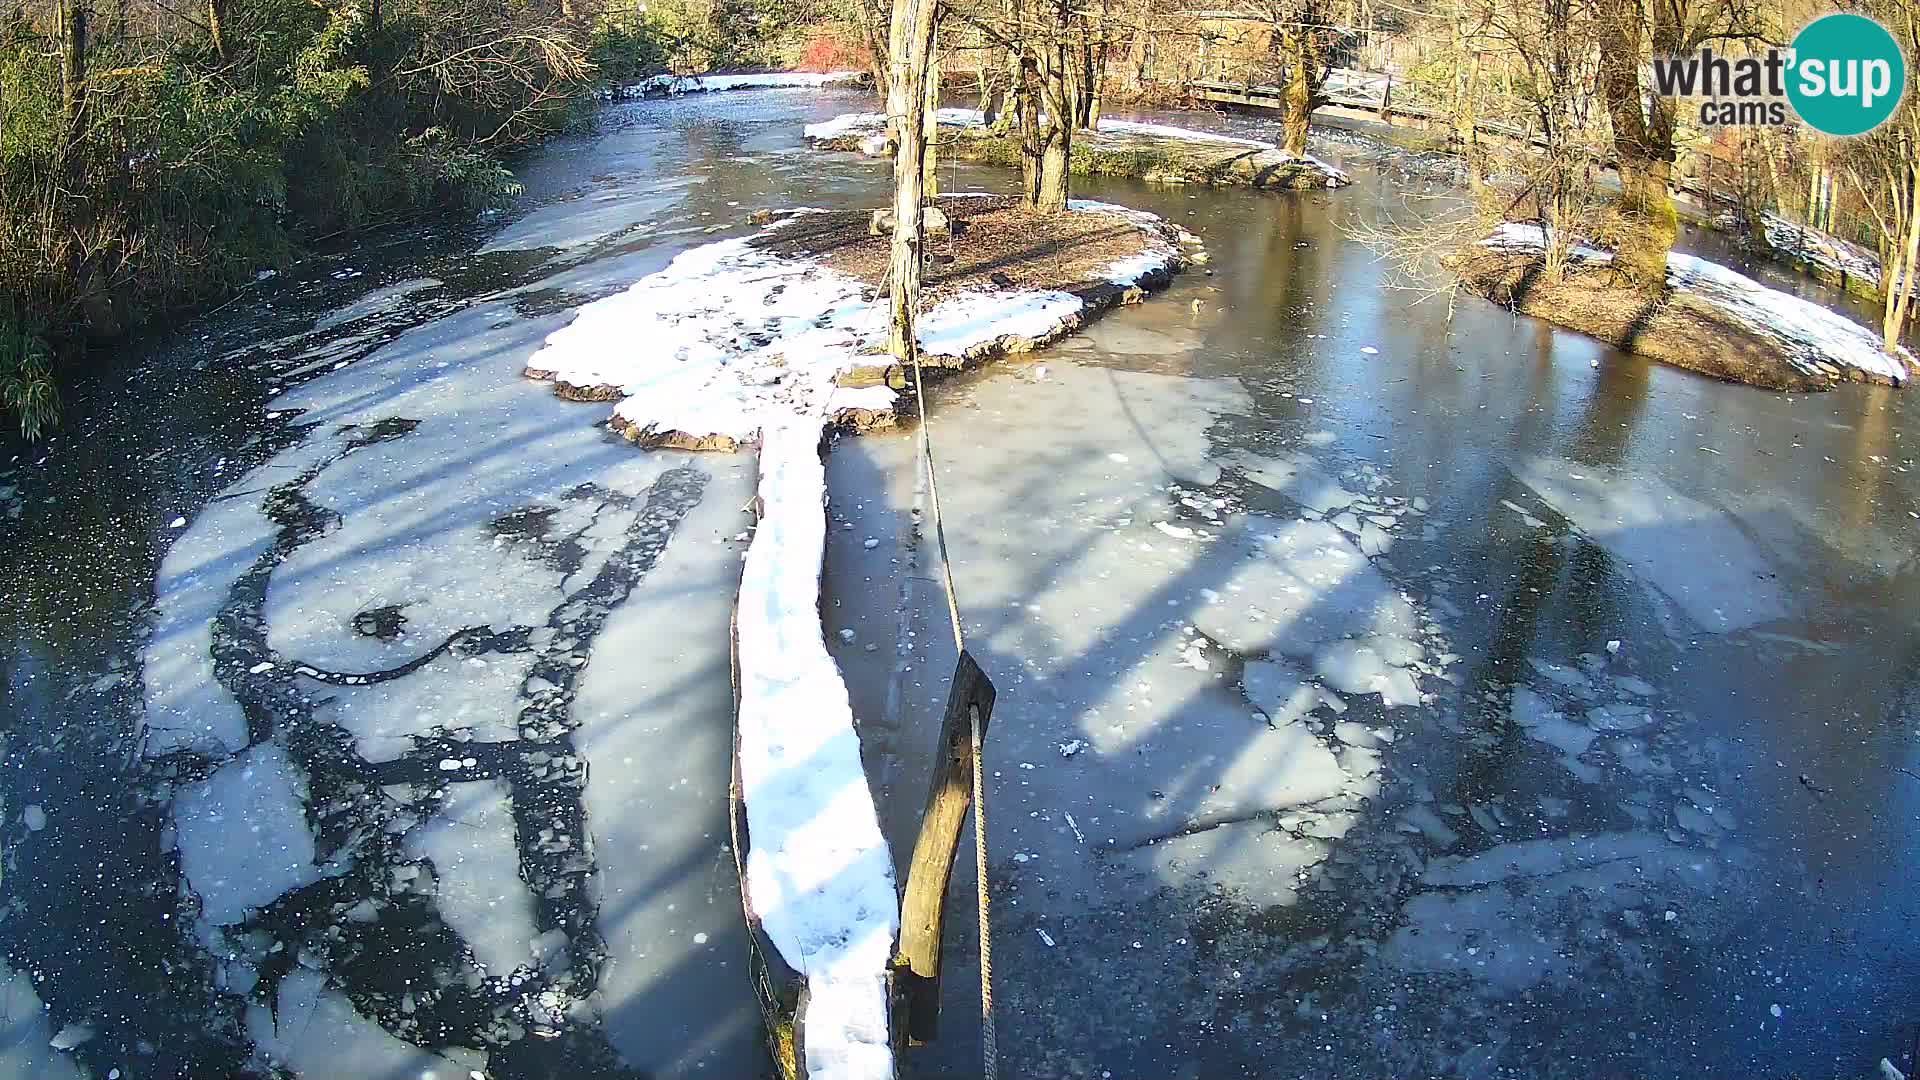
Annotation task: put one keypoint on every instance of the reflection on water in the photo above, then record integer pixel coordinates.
(1662, 626)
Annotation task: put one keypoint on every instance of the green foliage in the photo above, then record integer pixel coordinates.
(459, 173)
(188, 169)
(26, 380)
(624, 50)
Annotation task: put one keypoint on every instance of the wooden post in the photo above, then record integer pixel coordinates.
(910, 55)
(949, 796)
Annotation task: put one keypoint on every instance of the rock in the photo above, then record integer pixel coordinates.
(934, 222)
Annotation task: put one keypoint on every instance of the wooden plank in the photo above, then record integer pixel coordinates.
(949, 796)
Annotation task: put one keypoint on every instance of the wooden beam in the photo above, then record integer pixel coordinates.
(949, 796)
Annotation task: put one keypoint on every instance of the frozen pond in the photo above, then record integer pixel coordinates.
(1379, 694)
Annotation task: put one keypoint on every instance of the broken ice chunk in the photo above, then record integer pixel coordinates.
(1279, 690)
(1369, 665)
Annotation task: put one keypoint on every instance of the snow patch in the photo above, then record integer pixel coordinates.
(972, 320)
(863, 123)
(1810, 332)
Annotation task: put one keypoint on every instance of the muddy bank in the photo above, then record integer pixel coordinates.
(1155, 153)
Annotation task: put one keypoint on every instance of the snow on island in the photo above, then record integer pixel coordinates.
(751, 339)
(1711, 319)
(743, 330)
(669, 85)
(1156, 152)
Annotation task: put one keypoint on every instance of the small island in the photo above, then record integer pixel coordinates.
(1707, 318)
(791, 320)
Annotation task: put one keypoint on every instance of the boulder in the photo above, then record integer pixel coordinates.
(935, 220)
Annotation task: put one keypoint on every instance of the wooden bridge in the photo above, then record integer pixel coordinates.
(1345, 88)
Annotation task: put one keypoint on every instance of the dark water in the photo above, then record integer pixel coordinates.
(1749, 552)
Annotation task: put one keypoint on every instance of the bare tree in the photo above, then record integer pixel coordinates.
(1884, 168)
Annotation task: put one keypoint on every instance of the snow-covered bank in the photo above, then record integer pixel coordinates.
(1712, 319)
(670, 85)
(736, 334)
(1116, 147)
(732, 334)
(819, 876)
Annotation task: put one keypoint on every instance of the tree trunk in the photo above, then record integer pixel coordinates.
(1027, 108)
(910, 55)
(1896, 277)
(1096, 72)
(1016, 75)
(1056, 129)
(993, 87)
(1056, 155)
(1466, 121)
(1642, 142)
(73, 78)
(1299, 90)
(874, 34)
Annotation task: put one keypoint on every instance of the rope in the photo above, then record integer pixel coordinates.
(989, 1039)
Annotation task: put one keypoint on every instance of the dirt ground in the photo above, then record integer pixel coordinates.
(995, 243)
